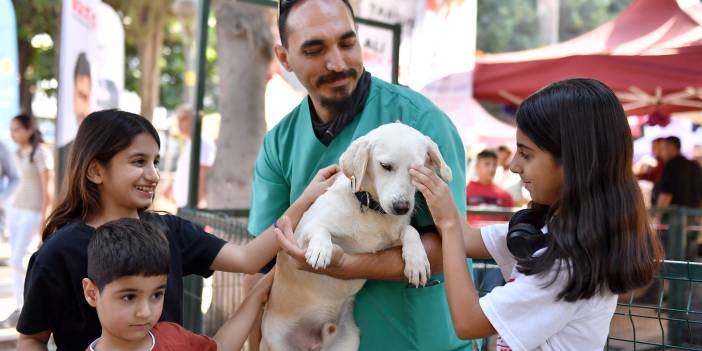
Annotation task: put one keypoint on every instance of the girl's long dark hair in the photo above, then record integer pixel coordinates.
(101, 135)
(600, 226)
(30, 123)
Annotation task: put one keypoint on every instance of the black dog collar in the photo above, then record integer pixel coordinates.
(365, 199)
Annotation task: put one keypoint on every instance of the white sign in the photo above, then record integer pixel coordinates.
(77, 65)
(110, 55)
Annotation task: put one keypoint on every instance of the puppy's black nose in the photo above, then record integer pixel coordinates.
(400, 207)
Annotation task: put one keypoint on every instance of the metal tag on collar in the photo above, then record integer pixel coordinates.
(353, 184)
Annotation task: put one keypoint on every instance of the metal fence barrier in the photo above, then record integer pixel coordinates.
(667, 315)
(207, 303)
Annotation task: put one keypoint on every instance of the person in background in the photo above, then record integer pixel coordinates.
(681, 185)
(483, 192)
(657, 149)
(9, 181)
(508, 180)
(30, 207)
(178, 190)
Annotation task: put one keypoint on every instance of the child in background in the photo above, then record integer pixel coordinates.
(128, 264)
(484, 192)
(586, 237)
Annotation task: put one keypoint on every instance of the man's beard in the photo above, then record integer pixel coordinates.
(343, 100)
(339, 104)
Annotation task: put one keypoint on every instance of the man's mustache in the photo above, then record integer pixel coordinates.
(336, 76)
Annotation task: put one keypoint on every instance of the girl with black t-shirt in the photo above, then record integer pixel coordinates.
(113, 174)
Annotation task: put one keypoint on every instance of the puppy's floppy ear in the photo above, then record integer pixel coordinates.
(436, 161)
(354, 161)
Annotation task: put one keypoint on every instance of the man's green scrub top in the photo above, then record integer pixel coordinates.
(391, 315)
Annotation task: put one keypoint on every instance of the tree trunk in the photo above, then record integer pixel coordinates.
(244, 45)
(26, 52)
(151, 16)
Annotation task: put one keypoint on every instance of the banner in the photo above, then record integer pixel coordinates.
(9, 70)
(377, 42)
(110, 58)
(435, 33)
(77, 62)
(437, 58)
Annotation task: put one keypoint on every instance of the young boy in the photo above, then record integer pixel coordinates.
(484, 192)
(128, 263)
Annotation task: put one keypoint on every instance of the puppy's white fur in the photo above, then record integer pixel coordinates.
(309, 311)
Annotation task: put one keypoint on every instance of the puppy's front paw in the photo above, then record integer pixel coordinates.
(319, 253)
(417, 268)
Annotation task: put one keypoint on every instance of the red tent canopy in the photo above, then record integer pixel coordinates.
(650, 55)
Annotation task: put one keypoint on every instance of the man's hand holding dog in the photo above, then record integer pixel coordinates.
(286, 240)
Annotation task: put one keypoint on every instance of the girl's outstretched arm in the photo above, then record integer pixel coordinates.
(233, 334)
(250, 258)
(468, 318)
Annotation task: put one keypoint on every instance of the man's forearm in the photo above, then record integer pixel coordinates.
(387, 264)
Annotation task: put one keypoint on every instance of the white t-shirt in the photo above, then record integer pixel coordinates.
(527, 315)
(182, 175)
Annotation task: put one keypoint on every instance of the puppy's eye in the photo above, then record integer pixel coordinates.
(386, 166)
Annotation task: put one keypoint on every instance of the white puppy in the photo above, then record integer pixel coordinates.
(366, 210)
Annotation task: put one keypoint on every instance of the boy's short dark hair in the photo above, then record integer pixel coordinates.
(127, 247)
(487, 153)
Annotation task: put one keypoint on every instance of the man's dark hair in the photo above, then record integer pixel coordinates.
(284, 7)
(127, 247)
(82, 68)
(658, 140)
(487, 153)
(673, 140)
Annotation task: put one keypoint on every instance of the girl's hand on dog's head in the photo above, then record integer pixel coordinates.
(286, 240)
(437, 194)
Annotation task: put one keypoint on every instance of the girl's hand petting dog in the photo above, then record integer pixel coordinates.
(438, 196)
(284, 233)
(324, 178)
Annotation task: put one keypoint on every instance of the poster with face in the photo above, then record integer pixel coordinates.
(110, 55)
(77, 62)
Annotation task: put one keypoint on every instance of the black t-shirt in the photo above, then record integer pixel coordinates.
(53, 292)
(683, 180)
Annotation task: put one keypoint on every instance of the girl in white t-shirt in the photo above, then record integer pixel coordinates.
(574, 156)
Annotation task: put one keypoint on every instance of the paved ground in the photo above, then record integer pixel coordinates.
(8, 337)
